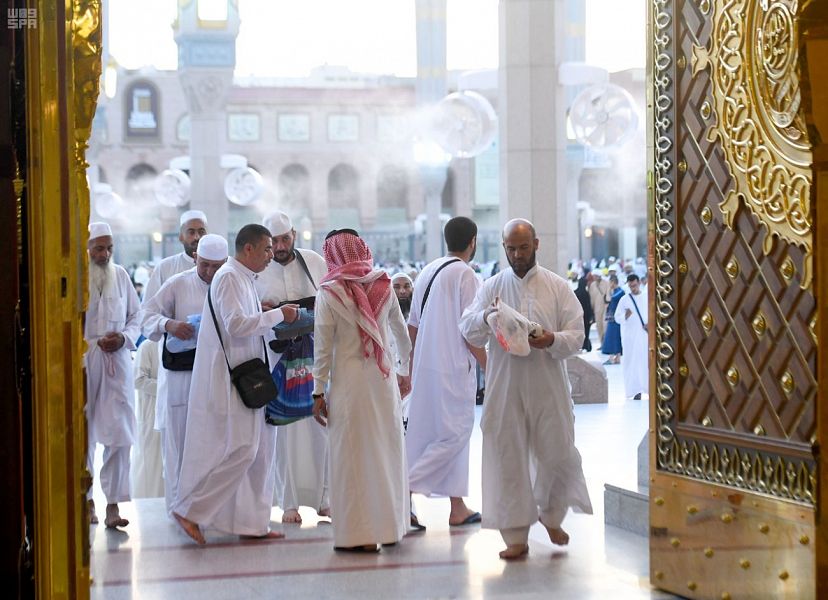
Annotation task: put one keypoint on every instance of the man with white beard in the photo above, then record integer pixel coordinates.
(110, 330)
(192, 226)
(301, 447)
(165, 315)
(226, 479)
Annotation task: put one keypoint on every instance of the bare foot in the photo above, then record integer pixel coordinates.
(113, 517)
(292, 515)
(514, 551)
(93, 517)
(191, 529)
(324, 512)
(557, 535)
(270, 535)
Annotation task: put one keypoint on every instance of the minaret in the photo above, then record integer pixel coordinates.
(205, 31)
(431, 88)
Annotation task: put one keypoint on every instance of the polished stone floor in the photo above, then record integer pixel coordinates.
(152, 559)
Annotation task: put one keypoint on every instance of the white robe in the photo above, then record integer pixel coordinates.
(301, 447)
(172, 265)
(443, 383)
(368, 475)
(181, 295)
(110, 388)
(635, 341)
(531, 466)
(146, 470)
(226, 478)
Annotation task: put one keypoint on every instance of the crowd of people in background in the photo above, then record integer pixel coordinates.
(398, 350)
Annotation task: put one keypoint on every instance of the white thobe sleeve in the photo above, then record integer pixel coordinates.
(146, 372)
(472, 326)
(154, 283)
(157, 311)
(620, 309)
(324, 329)
(396, 324)
(569, 325)
(132, 328)
(228, 299)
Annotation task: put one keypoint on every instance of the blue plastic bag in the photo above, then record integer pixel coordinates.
(294, 381)
(177, 345)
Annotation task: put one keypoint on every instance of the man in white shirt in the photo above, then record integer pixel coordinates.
(192, 226)
(110, 330)
(226, 479)
(444, 375)
(301, 447)
(632, 314)
(531, 467)
(165, 317)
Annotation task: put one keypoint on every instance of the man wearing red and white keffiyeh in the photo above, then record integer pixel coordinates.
(351, 263)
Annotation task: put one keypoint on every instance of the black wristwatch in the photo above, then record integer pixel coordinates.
(315, 396)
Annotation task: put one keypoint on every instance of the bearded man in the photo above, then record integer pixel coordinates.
(110, 330)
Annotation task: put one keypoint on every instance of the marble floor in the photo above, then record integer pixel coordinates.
(152, 559)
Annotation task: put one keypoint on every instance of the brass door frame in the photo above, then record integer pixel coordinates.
(62, 71)
(717, 532)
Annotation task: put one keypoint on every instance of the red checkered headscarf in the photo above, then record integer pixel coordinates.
(351, 273)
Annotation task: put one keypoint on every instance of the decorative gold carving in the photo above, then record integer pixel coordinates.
(787, 382)
(763, 528)
(783, 575)
(706, 215)
(759, 430)
(732, 268)
(681, 62)
(700, 60)
(707, 421)
(704, 6)
(683, 268)
(707, 321)
(705, 110)
(692, 509)
(744, 563)
(787, 269)
(725, 596)
(708, 552)
(684, 371)
(759, 324)
(87, 48)
(727, 517)
(675, 542)
(753, 61)
(691, 585)
(659, 575)
(659, 501)
(804, 540)
(733, 376)
(682, 166)
(812, 328)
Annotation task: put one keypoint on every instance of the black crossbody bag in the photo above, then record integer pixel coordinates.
(252, 378)
(177, 361)
(433, 277)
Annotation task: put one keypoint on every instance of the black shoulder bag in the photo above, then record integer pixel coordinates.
(177, 361)
(433, 277)
(252, 378)
(640, 320)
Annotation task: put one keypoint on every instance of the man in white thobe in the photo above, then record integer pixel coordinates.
(166, 316)
(301, 447)
(192, 225)
(531, 467)
(147, 470)
(226, 479)
(631, 313)
(110, 330)
(599, 290)
(444, 376)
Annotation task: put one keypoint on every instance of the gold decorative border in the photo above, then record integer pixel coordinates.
(783, 477)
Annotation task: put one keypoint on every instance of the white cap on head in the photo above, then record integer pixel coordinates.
(99, 229)
(277, 223)
(401, 275)
(212, 247)
(613, 267)
(190, 215)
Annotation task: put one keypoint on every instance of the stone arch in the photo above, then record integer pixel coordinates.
(392, 187)
(294, 191)
(343, 196)
(139, 183)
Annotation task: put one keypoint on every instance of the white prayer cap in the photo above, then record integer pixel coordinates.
(212, 247)
(278, 223)
(613, 267)
(191, 215)
(401, 275)
(99, 229)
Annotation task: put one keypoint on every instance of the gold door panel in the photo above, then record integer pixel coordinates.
(734, 474)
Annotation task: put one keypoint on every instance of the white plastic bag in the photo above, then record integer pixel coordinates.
(510, 328)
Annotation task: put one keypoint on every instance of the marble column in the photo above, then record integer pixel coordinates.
(532, 108)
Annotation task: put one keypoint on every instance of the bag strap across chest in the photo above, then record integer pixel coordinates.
(433, 277)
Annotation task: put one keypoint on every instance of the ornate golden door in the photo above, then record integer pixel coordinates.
(737, 115)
